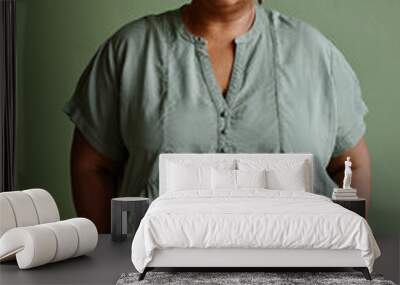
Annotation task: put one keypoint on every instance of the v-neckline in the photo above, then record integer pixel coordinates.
(222, 102)
(225, 101)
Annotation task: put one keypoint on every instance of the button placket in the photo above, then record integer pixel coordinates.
(223, 125)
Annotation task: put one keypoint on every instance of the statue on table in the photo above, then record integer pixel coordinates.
(346, 192)
(347, 174)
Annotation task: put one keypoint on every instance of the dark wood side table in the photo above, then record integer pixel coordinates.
(358, 206)
(136, 206)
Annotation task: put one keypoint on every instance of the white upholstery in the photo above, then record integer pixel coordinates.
(31, 246)
(31, 231)
(67, 237)
(26, 208)
(87, 235)
(45, 205)
(259, 257)
(231, 159)
(40, 244)
(23, 208)
(7, 220)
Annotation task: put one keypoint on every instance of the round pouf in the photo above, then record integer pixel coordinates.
(136, 206)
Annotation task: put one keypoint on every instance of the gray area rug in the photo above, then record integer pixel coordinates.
(269, 278)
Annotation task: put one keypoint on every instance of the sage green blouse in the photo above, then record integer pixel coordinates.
(150, 89)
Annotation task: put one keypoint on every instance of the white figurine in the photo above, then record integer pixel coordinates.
(347, 174)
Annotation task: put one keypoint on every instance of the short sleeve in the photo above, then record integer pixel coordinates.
(350, 107)
(94, 106)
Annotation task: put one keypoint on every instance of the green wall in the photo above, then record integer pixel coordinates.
(56, 38)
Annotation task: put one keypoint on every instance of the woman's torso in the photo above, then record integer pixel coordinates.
(278, 98)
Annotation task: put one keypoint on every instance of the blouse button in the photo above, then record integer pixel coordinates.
(222, 114)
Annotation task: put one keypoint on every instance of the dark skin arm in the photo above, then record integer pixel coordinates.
(94, 182)
(361, 167)
(94, 178)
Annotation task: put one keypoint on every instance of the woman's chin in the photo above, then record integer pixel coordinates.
(227, 3)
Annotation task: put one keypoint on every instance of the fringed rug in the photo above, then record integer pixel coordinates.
(244, 278)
